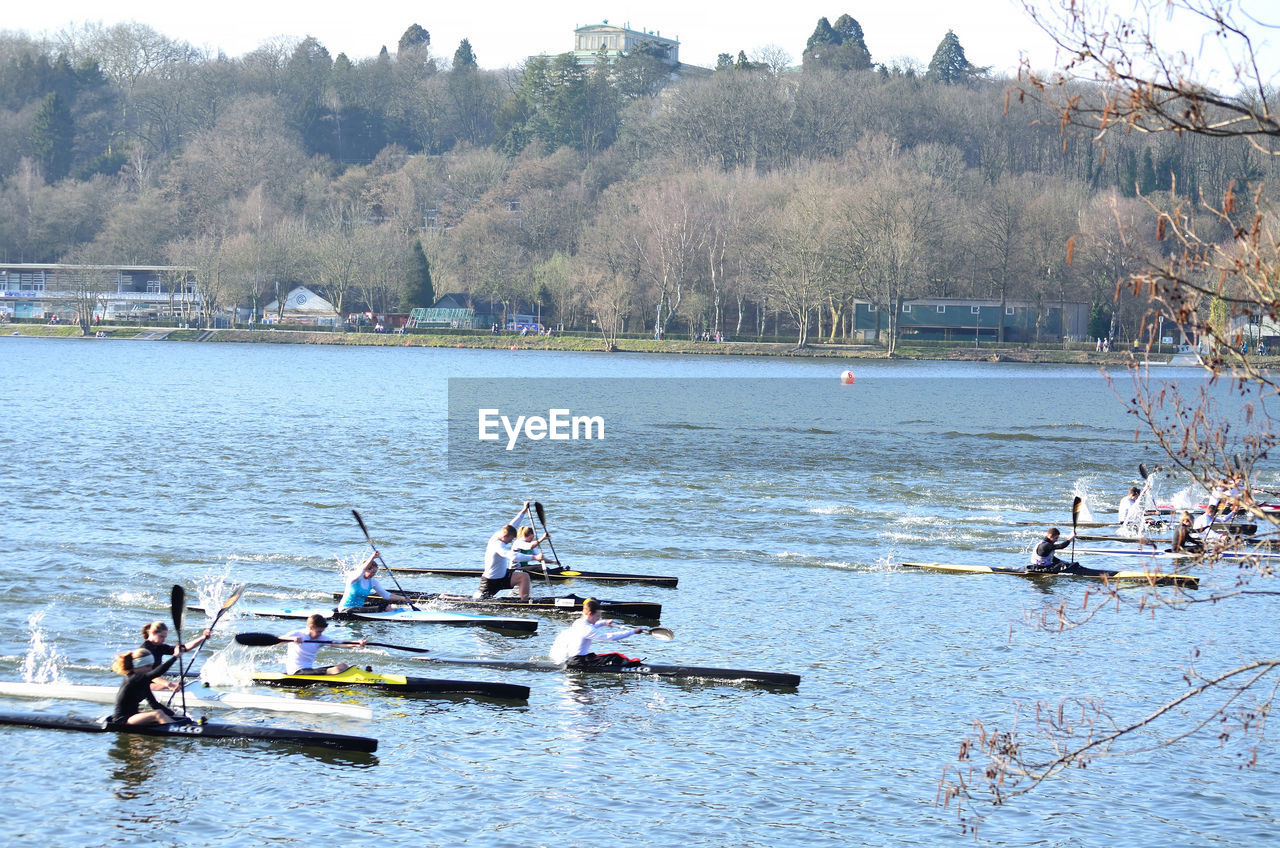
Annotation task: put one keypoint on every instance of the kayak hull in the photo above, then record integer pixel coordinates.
(566, 604)
(682, 672)
(556, 574)
(205, 731)
(398, 683)
(1187, 581)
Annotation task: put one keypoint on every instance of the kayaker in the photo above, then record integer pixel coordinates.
(300, 656)
(139, 672)
(1129, 511)
(573, 646)
(153, 636)
(1184, 539)
(365, 583)
(1043, 559)
(500, 557)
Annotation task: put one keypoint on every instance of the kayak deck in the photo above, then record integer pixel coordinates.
(196, 730)
(568, 604)
(1187, 581)
(398, 683)
(198, 696)
(557, 574)
(644, 669)
(405, 616)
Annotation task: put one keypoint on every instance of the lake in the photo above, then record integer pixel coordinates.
(783, 500)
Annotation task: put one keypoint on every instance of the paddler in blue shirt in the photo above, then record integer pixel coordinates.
(1043, 559)
(363, 584)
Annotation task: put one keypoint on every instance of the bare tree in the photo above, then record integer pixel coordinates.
(1212, 271)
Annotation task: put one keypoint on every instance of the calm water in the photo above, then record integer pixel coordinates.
(781, 499)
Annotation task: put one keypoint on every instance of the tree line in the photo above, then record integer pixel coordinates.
(756, 198)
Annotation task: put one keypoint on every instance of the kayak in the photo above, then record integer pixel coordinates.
(535, 574)
(570, 604)
(1170, 554)
(1187, 581)
(196, 730)
(645, 669)
(405, 616)
(367, 678)
(206, 699)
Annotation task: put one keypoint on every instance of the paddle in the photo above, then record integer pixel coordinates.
(378, 554)
(537, 506)
(177, 605)
(662, 634)
(226, 605)
(266, 640)
(1075, 520)
(542, 518)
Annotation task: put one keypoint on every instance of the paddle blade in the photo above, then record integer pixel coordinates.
(542, 515)
(1142, 470)
(662, 634)
(258, 640)
(232, 598)
(363, 529)
(1075, 512)
(177, 605)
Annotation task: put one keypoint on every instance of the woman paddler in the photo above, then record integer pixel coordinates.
(365, 583)
(153, 636)
(139, 672)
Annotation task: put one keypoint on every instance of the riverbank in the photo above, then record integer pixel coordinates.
(967, 353)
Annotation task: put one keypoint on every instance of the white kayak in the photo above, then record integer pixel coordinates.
(198, 696)
(456, 619)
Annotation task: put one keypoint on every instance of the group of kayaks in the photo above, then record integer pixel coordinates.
(445, 609)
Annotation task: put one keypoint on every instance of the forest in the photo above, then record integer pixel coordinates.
(761, 197)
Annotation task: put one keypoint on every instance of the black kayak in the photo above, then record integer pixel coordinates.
(368, 679)
(644, 669)
(555, 573)
(570, 604)
(196, 730)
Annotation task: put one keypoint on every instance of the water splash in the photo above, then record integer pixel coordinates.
(41, 664)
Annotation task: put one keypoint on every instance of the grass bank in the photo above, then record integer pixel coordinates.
(921, 351)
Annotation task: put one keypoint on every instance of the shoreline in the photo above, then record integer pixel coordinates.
(586, 344)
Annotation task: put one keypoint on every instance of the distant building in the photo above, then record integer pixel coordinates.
(112, 292)
(588, 41)
(960, 319)
(302, 306)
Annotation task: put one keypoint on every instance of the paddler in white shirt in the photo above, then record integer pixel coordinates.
(305, 643)
(1130, 512)
(573, 646)
(500, 557)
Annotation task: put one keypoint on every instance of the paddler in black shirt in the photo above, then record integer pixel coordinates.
(137, 688)
(1043, 559)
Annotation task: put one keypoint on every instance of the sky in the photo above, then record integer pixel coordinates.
(503, 33)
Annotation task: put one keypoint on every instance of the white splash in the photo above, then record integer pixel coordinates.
(41, 664)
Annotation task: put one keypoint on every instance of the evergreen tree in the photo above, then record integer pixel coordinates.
(840, 47)
(724, 62)
(53, 137)
(1147, 176)
(949, 64)
(414, 36)
(418, 291)
(463, 58)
